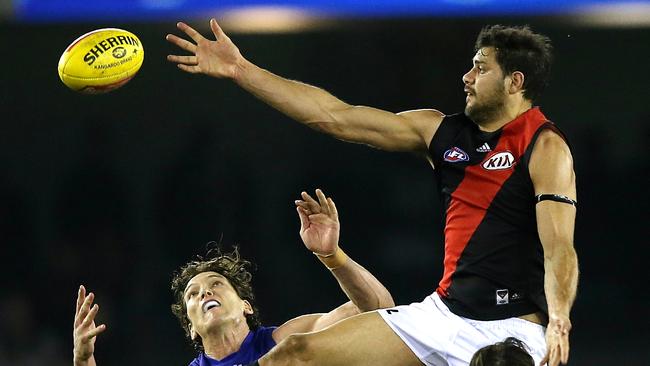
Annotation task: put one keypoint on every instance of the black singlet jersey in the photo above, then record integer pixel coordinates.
(494, 264)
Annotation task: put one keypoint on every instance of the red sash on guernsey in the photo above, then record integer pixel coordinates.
(475, 193)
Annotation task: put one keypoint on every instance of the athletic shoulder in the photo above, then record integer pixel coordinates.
(427, 115)
(551, 137)
(425, 121)
(551, 165)
(551, 141)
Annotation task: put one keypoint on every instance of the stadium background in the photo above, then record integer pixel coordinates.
(116, 191)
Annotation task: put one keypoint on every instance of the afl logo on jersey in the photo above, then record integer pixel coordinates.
(455, 155)
(498, 161)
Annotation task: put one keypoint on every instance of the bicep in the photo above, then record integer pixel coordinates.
(409, 131)
(551, 171)
(551, 166)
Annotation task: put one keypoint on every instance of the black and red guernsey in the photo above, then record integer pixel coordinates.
(494, 265)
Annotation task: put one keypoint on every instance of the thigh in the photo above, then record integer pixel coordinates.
(362, 340)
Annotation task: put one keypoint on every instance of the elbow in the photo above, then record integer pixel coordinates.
(296, 348)
(382, 302)
(557, 245)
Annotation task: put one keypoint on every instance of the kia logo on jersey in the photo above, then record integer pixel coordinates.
(455, 155)
(500, 160)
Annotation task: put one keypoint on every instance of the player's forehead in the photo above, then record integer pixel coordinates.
(485, 55)
(205, 277)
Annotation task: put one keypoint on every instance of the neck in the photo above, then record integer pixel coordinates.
(510, 112)
(225, 340)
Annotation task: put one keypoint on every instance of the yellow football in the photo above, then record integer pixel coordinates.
(101, 61)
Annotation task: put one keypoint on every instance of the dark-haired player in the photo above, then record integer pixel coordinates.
(510, 352)
(215, 300)
(505, 173)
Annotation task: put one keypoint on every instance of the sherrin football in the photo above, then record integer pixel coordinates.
(101, 61)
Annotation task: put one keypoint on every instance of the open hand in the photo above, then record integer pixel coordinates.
(85, 330)
(319, 223)
(218, 58)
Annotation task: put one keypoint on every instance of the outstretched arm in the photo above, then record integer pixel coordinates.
(551, 170)
(409, 131)
(85, 331)
(320, 233)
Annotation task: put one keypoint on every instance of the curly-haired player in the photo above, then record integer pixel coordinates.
(215, 300)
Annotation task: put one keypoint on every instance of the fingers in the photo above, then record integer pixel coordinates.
(186, 60)
(94, 332)
(192, 69)
(332, 207)
(182, 43)
(544, 360)
(309, 204)
(552, 358)
(81, 294)
(320, 218)
(90, 317)
(304, 220)
(216, 29)
(560, 329)
(84, 309)
(312, 207)
(196, 36)
(323, 201)
(564, 349)
(555, 355)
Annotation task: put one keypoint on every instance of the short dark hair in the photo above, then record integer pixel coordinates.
(520, 49)
(510, 352)
(231, 266)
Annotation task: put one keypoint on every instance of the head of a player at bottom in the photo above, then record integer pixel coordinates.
(214, 298)
(510, 352)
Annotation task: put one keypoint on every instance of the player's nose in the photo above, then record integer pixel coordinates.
(467, 77)
(206, 292)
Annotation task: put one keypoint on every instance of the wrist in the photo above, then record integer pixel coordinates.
(79, 362)
(240, 70)
(558, 313)
(334, 260)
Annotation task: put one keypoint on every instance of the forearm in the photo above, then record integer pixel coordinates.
(561, 280)
(361, 287)
(88, 362)
(323, 112)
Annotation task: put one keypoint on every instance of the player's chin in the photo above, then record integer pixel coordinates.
(468, 109)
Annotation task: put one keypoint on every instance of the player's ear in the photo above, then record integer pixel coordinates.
(248, 308)
(515, 82)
